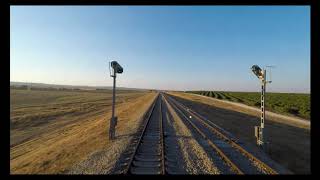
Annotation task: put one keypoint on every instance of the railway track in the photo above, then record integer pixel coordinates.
(147, 156)
(153, 151)
(236, 157)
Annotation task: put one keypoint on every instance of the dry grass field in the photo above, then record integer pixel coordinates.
(51, 131)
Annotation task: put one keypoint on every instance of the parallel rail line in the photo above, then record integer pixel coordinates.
(214, 128)
(218, 150)
(266, 167)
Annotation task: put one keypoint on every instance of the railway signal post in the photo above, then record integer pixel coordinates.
(261, 74)
(116, 68)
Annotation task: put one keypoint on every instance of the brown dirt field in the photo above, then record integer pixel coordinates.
(288, 145)
(103, 160)
(58, 147)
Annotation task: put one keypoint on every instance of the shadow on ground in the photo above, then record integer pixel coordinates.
(287, 145)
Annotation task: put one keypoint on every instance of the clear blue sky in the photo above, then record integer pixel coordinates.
(162, 47)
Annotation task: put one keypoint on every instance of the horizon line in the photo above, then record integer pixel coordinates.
(156, 89)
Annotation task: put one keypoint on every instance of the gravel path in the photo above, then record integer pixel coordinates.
(176, 163)
(196, 159)
(101, 162)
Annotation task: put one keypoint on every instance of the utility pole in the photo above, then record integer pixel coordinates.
(116, 68)
(113, 120)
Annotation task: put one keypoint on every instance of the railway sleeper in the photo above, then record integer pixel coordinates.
(147, 158)
(150, 145)
(145, 170)
(171, 145)
(152, 131)
(175, 171)
(147, 147)
(171, 164)
(172, 153)
(149, 153)
(150, 141)
(171, 158)
(146, 163)
(151, 138)
(171, 150)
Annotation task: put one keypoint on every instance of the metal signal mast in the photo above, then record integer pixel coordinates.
(262, 75)
(116, 68)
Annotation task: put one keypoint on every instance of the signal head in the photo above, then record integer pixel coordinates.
(257, 71)
(116, 67)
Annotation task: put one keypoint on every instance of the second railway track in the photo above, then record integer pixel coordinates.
(239, 160)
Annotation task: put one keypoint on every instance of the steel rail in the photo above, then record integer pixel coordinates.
(163, 170)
